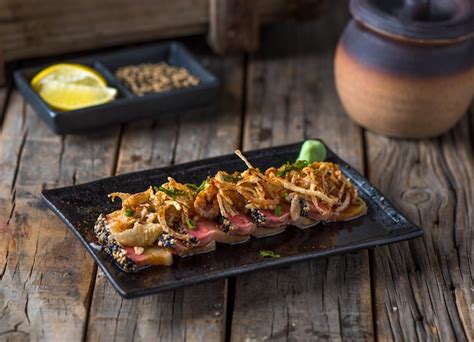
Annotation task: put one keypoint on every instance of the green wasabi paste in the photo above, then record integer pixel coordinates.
(312, 151)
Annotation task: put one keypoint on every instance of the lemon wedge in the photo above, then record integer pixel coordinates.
(69, 86)
(69, 96)
(69, 73)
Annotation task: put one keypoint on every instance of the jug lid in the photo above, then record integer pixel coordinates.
(435, 21)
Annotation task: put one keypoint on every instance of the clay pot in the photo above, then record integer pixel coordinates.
(404, 70)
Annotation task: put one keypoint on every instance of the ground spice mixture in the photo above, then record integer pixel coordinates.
(148, 78)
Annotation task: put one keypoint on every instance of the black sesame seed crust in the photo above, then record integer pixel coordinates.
(224, 223)
(257, 217)
(167, 241)
(304, 207)
(101, 231)
(112, 247)
(120, 257)
(190, 240)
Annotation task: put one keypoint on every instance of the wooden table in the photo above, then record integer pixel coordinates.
(50, 289)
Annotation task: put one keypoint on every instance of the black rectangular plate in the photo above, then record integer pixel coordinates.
(126, 106)
(78, 206)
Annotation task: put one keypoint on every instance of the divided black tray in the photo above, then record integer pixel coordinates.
(126, 106)
(78, 206)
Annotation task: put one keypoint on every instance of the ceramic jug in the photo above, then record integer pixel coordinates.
(406, 68)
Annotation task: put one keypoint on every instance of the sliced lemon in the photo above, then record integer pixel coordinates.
(70, 96)
(68, 73)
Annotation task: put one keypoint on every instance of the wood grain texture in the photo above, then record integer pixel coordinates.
(33, 29)
(196, 313)
(45, 273)
(3, 75)
(291, 96)
(423, 288)
(3, 102)
(233, 25)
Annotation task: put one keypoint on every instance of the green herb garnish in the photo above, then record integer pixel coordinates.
(190, 223)
(287, 167)
(232, 178)
(278, 211)
(269, 254)
(203, 185)
(129, 212)
(192, 186)
(170, 192)
(199, 188)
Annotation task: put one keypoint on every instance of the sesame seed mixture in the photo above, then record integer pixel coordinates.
(112, 247)
(148, 78)
(224, 224)
(304, 207)
(257, 217)
(167, 241)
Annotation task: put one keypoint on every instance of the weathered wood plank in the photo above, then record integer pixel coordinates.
(423, 288)
(193, 313)
(45, 273)
(291, 96)
(471, 120)
(33, 29)
(3, 100)
(3, 75)
(233, 25)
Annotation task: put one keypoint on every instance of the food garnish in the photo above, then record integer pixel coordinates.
(312, 151)
(190, 223)
(171, 192)
(269, 254)
(186, 219)
(72, 86)
(297, 165)
(199, 188)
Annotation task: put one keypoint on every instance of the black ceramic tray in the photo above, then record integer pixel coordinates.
(126, 106)
(78, 206)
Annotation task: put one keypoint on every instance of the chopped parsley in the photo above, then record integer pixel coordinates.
(269, 254)
(287, 167)
(190, 223)
(129, 212)
(277, 211)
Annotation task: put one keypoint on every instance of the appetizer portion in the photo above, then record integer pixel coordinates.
(187, 219)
